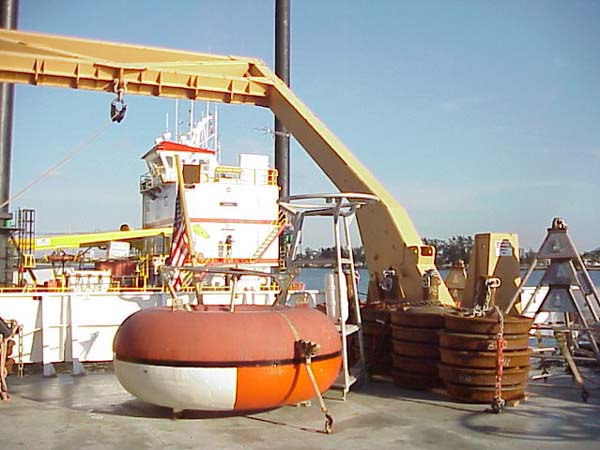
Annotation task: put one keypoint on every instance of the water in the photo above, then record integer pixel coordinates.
(314, 278)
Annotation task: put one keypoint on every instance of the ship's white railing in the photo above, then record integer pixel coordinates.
(245, 176)
(147, 182)
(222, 175)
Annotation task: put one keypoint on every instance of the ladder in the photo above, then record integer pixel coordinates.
(345, 273)
(278, 226)
(343, 305)
(24, 244)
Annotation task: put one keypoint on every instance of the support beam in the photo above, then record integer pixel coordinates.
(386, 229)
(45, 60)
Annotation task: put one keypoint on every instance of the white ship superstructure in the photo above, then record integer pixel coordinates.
(232, 210)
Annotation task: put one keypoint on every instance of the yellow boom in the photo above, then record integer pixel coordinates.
(389, 237)
(62, 241)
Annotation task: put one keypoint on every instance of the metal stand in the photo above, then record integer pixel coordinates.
(341, 208)
(571, 295)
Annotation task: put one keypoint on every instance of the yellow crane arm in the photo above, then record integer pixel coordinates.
(62, 241)
(389, 236)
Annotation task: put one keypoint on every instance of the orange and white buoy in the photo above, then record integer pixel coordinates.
(213, 359)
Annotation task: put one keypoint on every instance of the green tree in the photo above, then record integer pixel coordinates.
(451, 251)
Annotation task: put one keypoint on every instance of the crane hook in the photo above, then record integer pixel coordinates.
(118, 108)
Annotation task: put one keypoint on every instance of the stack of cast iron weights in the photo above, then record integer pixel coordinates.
(469, 357)
(416, 345)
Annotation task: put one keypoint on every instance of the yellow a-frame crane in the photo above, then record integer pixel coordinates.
(389, 236)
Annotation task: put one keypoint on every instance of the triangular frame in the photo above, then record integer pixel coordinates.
(566, 276)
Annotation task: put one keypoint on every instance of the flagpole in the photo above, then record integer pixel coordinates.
(186, 221)
(174, 301)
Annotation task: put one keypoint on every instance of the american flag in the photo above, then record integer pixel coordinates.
(179, 244)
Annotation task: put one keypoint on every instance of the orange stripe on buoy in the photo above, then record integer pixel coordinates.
(272, 386)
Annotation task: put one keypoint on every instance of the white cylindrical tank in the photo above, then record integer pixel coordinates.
(331, 297)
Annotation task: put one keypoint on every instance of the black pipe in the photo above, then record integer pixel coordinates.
(282, 70)
(8, 19)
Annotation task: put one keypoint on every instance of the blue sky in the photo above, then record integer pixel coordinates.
(477, 115)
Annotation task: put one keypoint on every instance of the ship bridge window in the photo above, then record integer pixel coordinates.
(168, 173)
(155, 166)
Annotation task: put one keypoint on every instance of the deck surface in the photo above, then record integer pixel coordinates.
(94, 412)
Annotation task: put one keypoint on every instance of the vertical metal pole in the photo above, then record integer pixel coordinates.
(339, 310)
(356, 300)
(282, 70)
(8, 19)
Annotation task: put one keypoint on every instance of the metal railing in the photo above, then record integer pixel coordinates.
(223, 175)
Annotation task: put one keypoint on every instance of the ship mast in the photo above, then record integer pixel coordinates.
(176, 118)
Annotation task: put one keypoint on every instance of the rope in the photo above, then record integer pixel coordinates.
(4, 340)
(308, 349)
(82, 146)
(3, 354)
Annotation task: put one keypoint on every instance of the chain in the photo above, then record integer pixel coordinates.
(487, 304)
(498, 402)
(21, 365)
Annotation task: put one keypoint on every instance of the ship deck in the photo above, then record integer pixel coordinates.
(94, 412)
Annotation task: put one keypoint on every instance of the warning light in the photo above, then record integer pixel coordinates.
(426, 250)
